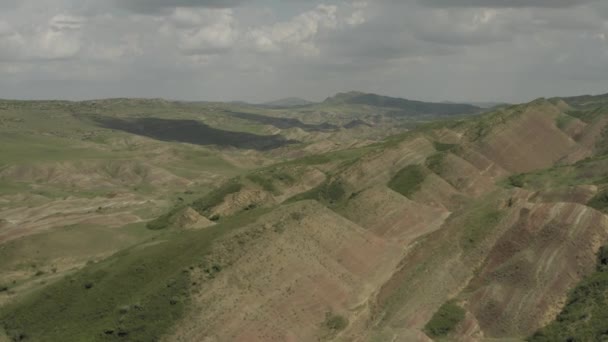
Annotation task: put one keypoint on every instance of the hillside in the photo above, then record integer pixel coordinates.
(288, 102)
(403, 107)
(481, 228)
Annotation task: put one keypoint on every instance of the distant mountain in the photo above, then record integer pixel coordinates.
(488, 104)
(484, 105)
(288, 102)
(403, 106)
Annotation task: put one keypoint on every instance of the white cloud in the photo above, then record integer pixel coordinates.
(212, 49)
(63, 22)
(298, 36)
(202, 31)
(59, 38)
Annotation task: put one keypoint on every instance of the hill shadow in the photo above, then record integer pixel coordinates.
(193, 132)
(284, 123)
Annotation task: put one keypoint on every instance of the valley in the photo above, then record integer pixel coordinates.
(359, 218)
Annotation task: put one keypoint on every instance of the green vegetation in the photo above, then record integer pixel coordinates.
(585, 315)
(135, 295)
(481, 126)
(444, 320)
(22, 148)
(588, 115)
(202, 205)
(266, 183)
(267, 178)
(77, 242)
(563, 120)
(441, 147)
(164, 221)
(602, 144)
(517, 181)
(330, 193)
(336, 156)
(205, 204)
(435, 162)
(405, 107)
(588, 171)
(408, 180)
(478, 224)
(599, 201)
(335, 322)
(478, 219)
(602, 259)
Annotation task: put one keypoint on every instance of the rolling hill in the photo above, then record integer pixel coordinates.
(404, 107)
(288, 102)
(489, 227)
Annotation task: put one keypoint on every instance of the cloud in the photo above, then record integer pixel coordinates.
(10, 4)
(63, 22)
(504, 3)
(154, 6)
(299, 36)
(261, 49)
(202, 31)
(59, 38)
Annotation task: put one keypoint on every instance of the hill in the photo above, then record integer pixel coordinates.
(288, 102)
(487, 227)
(404, 107)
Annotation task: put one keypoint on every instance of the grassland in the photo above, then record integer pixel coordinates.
(478, 225)
(585, 315)
(587, 171)
(136, 294)
(135, 282)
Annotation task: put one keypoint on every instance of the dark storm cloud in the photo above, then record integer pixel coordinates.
(504, 3)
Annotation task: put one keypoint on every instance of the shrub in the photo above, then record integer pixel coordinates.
(335, 322)
(441, 147)
(602, 259)
(600, 201)
(408, 180)
(444, 320)
(330, 193)
(435, 162)
(264, 182)
(161, 222)
(517, 181)
(563, 121)
(585, 315)
(204, 205)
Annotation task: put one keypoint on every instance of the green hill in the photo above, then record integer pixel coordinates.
(404, 107)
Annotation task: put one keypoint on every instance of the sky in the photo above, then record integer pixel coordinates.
(262, 50)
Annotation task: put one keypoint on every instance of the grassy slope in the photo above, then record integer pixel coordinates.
(585, 316)
(588, 171)
(136, 294)
(130, 292)
(444, 320)
(408, 180)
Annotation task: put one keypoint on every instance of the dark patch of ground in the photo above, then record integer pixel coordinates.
(284, 123)
(356, 123)
(193, 132)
